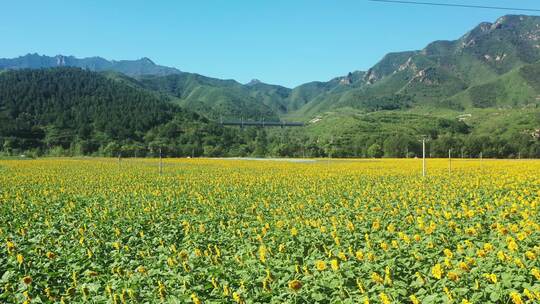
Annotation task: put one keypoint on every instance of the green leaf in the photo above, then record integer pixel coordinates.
(494, 296)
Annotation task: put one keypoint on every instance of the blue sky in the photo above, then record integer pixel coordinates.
(283, 42)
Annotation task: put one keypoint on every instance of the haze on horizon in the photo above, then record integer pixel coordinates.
(279, 42)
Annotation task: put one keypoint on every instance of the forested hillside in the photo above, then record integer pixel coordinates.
(216, 98)
(77, 112)
(69, 111)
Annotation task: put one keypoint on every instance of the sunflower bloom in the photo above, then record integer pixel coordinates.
(452, 276)
(491, 277)
(237, 298)
(295, 285)
(375, 277)
(195, 299)
(512, 245)
(384, 298)
(530, 255)
(320, 265)
(536, 273)
(516, 298)
(334, 264)
(437, 271)
(262, 253)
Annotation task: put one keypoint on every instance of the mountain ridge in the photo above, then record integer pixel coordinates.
(430, 76)
(133, 68)
(442, 68)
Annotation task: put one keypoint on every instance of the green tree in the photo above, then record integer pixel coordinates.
(375, 151)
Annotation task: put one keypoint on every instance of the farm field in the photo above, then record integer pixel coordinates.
(243, 231)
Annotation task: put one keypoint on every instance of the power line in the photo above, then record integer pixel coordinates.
(459, 5)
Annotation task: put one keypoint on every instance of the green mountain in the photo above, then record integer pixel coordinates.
(319, 91)
(273, 96)
(134, 68)
(436, 77)
(70, 111)
(517, 88)
(221, 99)
(443, 69)
(487, 79)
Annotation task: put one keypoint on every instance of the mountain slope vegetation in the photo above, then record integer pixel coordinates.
(216, 98)
(477, 94)
(78, 112)
(440, 71)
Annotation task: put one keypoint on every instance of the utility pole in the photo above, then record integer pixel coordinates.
(424, 157)
(423, 140)
(160, 162)
(449, 161)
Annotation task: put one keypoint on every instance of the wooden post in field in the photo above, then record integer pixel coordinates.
(119, 157)
(423, 139)
(423, 157)
(449, 161)
(160, 163)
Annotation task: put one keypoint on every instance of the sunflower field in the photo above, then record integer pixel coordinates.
(95, 230)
